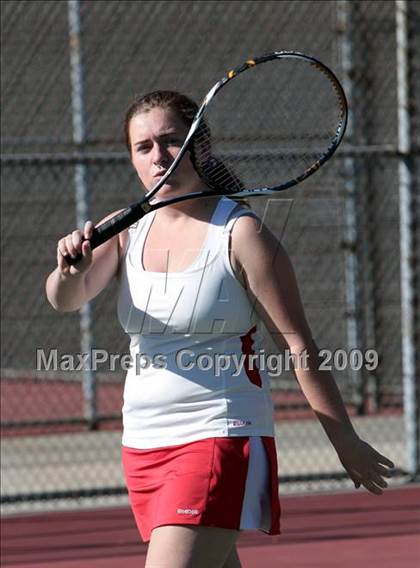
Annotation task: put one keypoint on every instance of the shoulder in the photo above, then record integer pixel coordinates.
(257, 255)
(252, 241)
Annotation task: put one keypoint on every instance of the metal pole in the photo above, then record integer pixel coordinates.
(406, 198)
(352, 270)
(82, 197)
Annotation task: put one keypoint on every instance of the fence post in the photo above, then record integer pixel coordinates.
(352, 268)
(406, 201)
(82, 198)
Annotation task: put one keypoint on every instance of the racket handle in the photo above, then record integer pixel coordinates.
(112, 227)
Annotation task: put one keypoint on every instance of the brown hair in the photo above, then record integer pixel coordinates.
(186, 109)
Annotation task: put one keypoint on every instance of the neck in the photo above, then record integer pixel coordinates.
(196, 208)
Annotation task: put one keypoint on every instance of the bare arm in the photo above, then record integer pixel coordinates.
(270, 281)
(70, 287)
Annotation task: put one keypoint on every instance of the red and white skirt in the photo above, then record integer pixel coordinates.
(227, 482)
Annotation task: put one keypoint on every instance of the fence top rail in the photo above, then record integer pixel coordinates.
(122, 157)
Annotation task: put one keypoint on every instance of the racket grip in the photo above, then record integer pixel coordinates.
(112, 227)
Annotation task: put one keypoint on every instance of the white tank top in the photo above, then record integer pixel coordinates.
(191, 335)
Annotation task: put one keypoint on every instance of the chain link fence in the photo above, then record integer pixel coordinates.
(61, 435)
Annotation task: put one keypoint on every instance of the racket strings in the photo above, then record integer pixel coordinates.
(213, 169)
(268, 125)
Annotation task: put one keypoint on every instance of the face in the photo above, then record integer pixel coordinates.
(156, 138)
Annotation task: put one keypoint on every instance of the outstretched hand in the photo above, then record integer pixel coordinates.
(365, 465)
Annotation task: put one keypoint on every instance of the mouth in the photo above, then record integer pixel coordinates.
(160, 174)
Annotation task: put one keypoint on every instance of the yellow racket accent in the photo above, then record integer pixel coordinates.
(249, 63)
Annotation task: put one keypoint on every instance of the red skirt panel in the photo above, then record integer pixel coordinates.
(199, 483)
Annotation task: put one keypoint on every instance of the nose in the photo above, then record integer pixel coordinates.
(159, 156)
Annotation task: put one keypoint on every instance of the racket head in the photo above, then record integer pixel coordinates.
(268, 124)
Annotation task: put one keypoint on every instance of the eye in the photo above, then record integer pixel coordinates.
(142, 149)
(174, 142)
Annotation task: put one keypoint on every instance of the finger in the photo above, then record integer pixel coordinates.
(384, 460)
(355, 477)
(61, 247)
(384, 471)
(88, 229)
(71, 249)
(86, 250)
(63, 250)
(372, 488)
(376, 478)
(61, 263)
(76, 237)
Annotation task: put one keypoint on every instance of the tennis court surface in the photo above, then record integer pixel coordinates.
(345, 529)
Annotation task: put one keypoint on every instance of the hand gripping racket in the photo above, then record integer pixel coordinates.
(266, 126)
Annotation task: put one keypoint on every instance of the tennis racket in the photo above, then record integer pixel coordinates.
(266, 126)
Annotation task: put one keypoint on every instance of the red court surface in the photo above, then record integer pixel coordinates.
(345, 530)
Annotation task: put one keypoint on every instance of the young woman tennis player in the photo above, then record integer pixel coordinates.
(198, 280)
